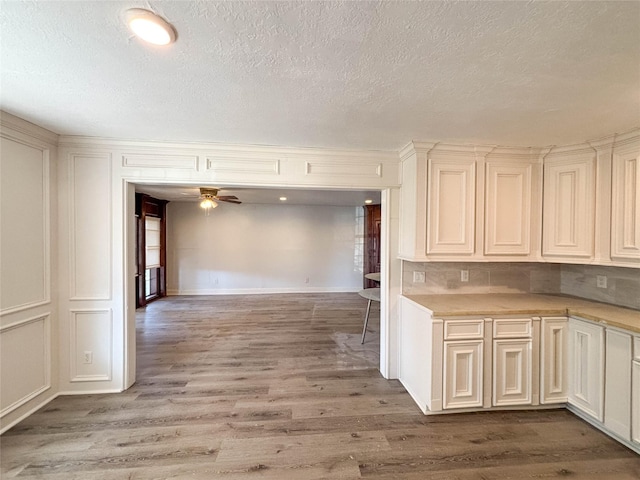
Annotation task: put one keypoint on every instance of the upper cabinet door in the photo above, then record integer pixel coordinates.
(508, 209)
(569, 200)
(451, 206)
(625, 212)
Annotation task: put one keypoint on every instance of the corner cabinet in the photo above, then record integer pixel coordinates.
(569, 206)
(470, 204)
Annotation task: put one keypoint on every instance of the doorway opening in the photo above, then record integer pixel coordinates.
(164, 192)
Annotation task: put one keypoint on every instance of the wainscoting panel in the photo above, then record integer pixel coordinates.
(25, 238)
(250, 166)
(90, 254)
(91, 345)
(177, 162)
(339, 170)
(25, 361)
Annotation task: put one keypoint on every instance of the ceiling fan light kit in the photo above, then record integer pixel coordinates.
(210, 198)
(150, 27)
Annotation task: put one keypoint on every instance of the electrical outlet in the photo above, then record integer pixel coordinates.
(418, 277)
(464, 275)
(601, 281)
(88, 357)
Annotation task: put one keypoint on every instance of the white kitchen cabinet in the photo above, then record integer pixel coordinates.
(451, 206)
(508, 208)
(625, 205)
(617, 406)
(553, 360)
(569, 207)
(586, 367)
(478, 203)
(511, 372)
(463, 374)
(512, 368)
(635, 393)
(420, 347)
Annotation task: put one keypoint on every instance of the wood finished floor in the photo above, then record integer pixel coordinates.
(279, 387)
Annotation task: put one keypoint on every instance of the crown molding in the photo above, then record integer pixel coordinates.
(233, 150)
(17, 124)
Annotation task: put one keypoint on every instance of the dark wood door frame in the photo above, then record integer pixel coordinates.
(147, 206)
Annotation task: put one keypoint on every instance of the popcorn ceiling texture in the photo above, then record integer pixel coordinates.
(340, 74)
(623, 284)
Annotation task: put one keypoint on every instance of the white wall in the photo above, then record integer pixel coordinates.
(262, 248)
(28, 306)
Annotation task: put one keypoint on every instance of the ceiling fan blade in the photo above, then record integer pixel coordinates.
(229, 201)
(227, 197)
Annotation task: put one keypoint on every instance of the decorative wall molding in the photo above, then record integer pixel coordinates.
(343, 169)
(45, 298)
(100, 337)
(88, 198)
(151, 160)
(261, 166)
(45, 318)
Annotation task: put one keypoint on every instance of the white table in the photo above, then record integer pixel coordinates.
(375, 276)
(373, 295)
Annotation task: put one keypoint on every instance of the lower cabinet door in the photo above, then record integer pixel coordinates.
(462, 377)
(635, 403)
(512, 372)
(553, 363)
(586, 367)
(617, 383)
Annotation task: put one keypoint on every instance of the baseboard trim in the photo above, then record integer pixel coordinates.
(262, 291)
(28, 413)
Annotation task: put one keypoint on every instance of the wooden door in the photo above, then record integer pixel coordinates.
(372, 219)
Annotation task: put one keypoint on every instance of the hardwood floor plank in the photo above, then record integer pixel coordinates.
(279, 387)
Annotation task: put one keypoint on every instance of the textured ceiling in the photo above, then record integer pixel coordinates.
(371, 75)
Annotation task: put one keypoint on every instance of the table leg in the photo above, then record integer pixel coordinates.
(366, 320)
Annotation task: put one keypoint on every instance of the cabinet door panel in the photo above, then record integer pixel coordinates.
(635, 403)
(451, 208)
(553, 368)
(586, 367)
(462, 374)
(625, 221)
(569, 213)
(511, 372)
(508, 209)
(617, 405)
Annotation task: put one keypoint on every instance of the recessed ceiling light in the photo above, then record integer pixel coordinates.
(368, 201)
(283, 199)
(150, 27)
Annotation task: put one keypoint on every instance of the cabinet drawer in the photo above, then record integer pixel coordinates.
(512, 328)
(636, 348)
(463, 329)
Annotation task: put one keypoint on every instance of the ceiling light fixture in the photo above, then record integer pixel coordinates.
(208, 203)
(283, 199)
(368, 201)
(150, 27)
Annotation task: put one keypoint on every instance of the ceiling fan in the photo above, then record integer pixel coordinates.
(209, 198)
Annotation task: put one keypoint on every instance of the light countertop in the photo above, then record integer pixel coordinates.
(528, 304)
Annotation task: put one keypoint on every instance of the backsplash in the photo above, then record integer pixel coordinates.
(623, 284)
(445, 277)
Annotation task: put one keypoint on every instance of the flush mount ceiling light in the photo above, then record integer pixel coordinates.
(150, 27)
(283, 199)
(368, 201)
